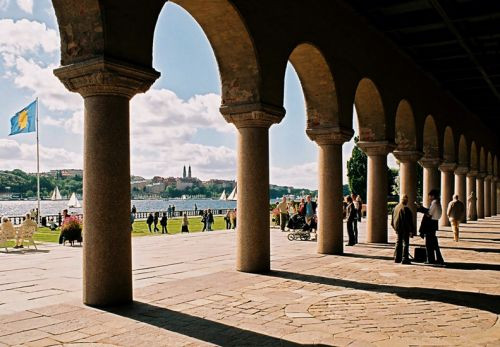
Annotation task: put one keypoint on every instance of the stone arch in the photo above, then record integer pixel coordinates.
(431, 138)
(489, 164)
(463, 155)
(234, 50)
(371, 111)
(448, 145)
(482, 160)
(474, 162)
(317, 84)
(406, 138)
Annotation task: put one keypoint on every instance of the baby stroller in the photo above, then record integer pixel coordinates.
(299, 229)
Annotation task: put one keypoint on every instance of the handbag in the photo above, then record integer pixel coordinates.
(420, 254)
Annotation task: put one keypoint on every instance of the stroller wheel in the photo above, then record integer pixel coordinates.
(291, 237)
(304, 237)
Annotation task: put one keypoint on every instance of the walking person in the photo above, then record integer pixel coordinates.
(310, 210)
(163, 223)
(355, 222)
(456, 213)
(283, 209)
(351, 218)
(204, 220)
(429, 226)
(227, 219)
(402, 223)
(210, 219)
(155, 221)
(149, 221)
(233, 218)
(360, 208)
(185, 224)
(471, 206)
(134, 209)
(173, 210)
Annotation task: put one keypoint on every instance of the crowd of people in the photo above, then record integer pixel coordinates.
(288, 208)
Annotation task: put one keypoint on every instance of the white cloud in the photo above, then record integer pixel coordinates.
(73, 125)
(25, 36)
(25, 5)
(4, 4)
(14, 155)
(298, 176)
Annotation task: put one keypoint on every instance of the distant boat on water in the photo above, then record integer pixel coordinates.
(223, 196)
(233, 195)
(56, 195)
(73, 201)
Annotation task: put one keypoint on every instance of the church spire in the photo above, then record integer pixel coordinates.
(189, 171)
(184, 172)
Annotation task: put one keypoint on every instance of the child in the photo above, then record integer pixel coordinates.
(185, 224)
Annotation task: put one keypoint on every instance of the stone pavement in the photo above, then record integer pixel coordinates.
(187, 294)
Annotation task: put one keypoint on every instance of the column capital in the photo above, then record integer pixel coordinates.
(461, 170)
(447, 167)
(330, 135)
(408, 156)
(481, 175)
(103, 76)
(430, 163)
(488, 177)
(252, 115)
(376, 147)
(472, 173)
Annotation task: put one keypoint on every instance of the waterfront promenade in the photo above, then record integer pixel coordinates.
(187, 294)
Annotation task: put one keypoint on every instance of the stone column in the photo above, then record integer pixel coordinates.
(480, 194)
(471, 187)
(447, 170)
(408, 177)
(431, 178)
(107, 87)
(252, 238)
(487, 196)
(494, 184)
(493, 196)
(330, 223)
(461, 187)
(376, 228)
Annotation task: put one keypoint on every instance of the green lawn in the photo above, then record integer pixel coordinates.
(140, 229)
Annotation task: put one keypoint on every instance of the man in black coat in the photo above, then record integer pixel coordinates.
(402, 223)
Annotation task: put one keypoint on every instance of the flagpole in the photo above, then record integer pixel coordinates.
(38, 215)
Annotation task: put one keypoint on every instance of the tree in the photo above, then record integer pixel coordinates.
(356, 170)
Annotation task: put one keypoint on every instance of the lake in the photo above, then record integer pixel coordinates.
(19, 208)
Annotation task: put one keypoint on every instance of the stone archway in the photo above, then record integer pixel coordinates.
(474, 160)
(449, 145)
(371, 112)
(431, 159)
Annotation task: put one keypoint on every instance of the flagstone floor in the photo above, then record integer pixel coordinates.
(187, 294)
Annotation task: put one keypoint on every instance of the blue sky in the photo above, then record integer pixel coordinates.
(179, 121)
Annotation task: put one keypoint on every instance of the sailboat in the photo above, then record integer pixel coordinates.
(73, 201)
(56, 195)
(233, 194)
(223, 196)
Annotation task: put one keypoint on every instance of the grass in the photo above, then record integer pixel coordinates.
(140, 229)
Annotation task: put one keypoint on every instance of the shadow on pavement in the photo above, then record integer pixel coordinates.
(366, 256)
(196, 327)
(481, 301)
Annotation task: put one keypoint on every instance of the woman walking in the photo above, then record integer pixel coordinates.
(185, 224)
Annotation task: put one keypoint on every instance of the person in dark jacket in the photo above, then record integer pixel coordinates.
(429, 226)
(210, 219)
(402, 223)
(155, 220)
(163, 223)
(149, 221)
(351, 219)
(204, 220)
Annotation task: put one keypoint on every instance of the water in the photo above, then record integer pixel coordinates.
(19, 208)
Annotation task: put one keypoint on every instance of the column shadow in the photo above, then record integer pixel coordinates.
(199, 328)
(366, 256)
(473, 266)
(481, 301)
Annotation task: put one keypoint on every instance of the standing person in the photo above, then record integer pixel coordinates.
(292, 211)
(471, 206)
(155, 221)
(456, 213)
(210, 219)
(233, 218)
(351, 218)
(283, 209)
(185, 224)
(302, 206)
(132, 220)
(355, 222)
(360, 208)
(134, 209)
(149, 221)
(402, 223)
(429, 226)
(310, 210)
(169, 211)
(195, 209)
(163, 223)
(173, 210)
(227, 219)
(204, 220)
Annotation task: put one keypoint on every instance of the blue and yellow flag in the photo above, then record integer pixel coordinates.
(24, 121)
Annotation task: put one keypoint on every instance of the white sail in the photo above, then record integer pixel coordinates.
(73, 201)
(223, 196)
(232, 196)
(56, 195)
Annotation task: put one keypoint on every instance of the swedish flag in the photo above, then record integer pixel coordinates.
(25, 120)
